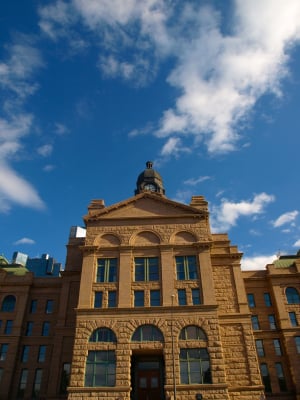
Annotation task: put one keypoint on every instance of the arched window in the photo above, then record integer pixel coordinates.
(8, 303)
(101, 364)
(103, 335)
(192, 332)
(194, 360)
(292, 295)
(147, 333)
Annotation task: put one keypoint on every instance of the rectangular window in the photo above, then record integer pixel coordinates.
(277, 347)
(107, 270)
(65, 378)
(251, 300)
(100, 368)
(33, 306)
(266, 377)
(194, 366)
(272, 321)
(297, 341)
(146, 269)
(49, 306)
(260, 348)
(112, 299)
(37, 383)
(255, 322)
(22, 383)
(46, 328)
(280, 377)
(42, 353)
(29, 328)
(154, 298)
(3, 351)
(196, 297)
(186, 268)
(98, 299)
(181, 297)
(267, 299)
(25, 353)
(293, 318)
(139, 298)
(8, 327)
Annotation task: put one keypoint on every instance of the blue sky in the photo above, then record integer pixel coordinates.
(208, 90)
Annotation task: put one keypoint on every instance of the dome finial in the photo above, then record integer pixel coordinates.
(149, 164)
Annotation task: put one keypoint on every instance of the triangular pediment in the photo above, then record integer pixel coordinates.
(144, 205)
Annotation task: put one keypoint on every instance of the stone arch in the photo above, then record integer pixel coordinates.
(145, 238)
(183, 237)
(88, 328)
(107, 240)
(103, 334)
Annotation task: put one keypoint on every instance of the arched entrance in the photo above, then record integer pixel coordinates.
(147, 364)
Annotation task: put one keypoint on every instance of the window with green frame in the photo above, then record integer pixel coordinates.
(100, 368)
(194, 366)
(107, 270)
(194, 361)
(186, 268)
(146, 269)
(147, 333)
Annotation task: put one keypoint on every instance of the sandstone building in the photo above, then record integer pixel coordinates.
(151, 305)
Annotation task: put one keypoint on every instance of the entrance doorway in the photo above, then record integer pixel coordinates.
(147, 378)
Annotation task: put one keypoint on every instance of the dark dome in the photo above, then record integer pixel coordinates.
(149, 180)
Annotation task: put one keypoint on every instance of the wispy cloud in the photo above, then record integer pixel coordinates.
(226, 215)
(45, 150)
(195, 181)
(24, 240)
(286, 218)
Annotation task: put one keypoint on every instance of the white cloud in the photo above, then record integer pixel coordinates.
(45, 150)
(173, 147)
(16, 71)
(219, 74)
(257, 262)
(195, 181)
(285, 218)
(61, 129)
(24, 240)
(297, 243)
(225, 216)
(15, 189)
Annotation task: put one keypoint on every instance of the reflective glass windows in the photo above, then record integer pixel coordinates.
(147, 333)
(181, 293)
(139, 300)
(264, 371)
(100, 368)
(292, 295)
(154, 298)
(186, 267)
(146, 269)
(107, 270)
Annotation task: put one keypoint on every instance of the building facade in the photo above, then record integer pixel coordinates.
(151, 305)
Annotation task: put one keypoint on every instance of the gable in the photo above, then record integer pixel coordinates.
(145, 206)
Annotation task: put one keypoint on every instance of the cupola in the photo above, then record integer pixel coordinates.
(149, 180)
